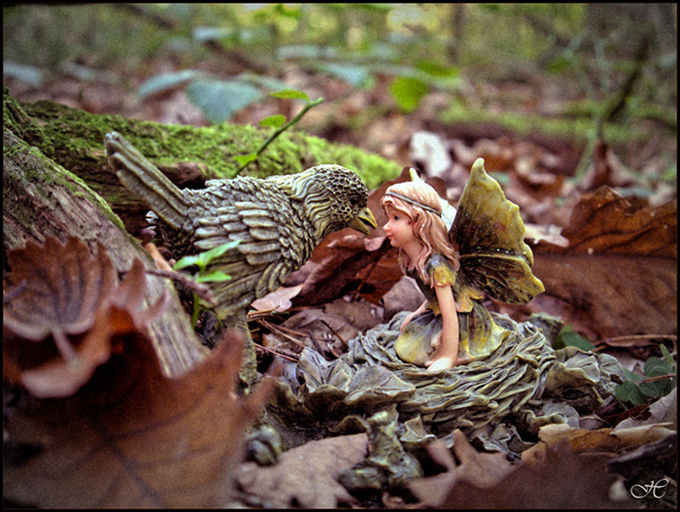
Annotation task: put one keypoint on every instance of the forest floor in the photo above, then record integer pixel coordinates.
(590, 263)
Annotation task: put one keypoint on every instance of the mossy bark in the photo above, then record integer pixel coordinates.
(56, 182)
(42, 199)
(75, 140)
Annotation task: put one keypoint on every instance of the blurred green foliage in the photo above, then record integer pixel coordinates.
(243, 51)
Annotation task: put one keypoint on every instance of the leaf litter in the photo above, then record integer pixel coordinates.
(605, 231)
(591, 305)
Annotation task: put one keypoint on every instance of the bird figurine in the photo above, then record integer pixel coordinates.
(278, 220)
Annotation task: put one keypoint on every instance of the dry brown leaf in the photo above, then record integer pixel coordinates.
(607, 295)
(345, 258)
(605, 222)
(327, 272)
(603, 441)
(133, 438)
(556, 478)
(278, 300)
(305, 476)
(322, 325)
(349, 259)
(561, 480)
(74, 297)
(64, 285)
(482, 470)
(618, 276)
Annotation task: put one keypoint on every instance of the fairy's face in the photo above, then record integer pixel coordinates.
(399, 228)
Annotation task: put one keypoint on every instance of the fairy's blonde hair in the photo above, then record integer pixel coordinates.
(428, 227)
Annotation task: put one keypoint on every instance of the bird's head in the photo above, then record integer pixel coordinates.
(334, 198)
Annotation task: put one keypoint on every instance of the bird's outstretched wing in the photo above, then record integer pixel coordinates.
(489, 234)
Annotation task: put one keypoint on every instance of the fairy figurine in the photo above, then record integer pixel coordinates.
(482, 251)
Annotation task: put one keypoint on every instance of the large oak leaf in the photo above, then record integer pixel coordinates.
(618, 276)
(132, 437)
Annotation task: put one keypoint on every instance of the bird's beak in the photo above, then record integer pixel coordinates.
(364, 222)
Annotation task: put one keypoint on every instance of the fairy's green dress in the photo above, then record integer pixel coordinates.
(489, 234)
(479, 334)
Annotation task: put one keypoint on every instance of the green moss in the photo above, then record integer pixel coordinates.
(70, 135)
(74, 141)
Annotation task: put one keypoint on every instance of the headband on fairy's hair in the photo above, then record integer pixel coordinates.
(414, 203)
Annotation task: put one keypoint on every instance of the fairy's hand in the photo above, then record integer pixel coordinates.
(410, 317)
(445, 363)
(407, 320)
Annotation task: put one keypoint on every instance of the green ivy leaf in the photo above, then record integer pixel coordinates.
(273, 121)
(629, 392)
(568, 338)
(655, 367)
(631, 376)
(656, 388)
(667, 356)
(290, 94)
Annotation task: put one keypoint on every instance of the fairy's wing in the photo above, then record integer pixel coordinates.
(489, 234)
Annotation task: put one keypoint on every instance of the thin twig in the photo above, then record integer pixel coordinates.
(660, 377)
(200, 289)
(279, 131)
(635, 337)
(276, 353)
(282, 332)
(334, 332)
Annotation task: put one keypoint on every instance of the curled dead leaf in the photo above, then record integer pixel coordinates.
(132, 437)
(63, 287)
(74, 299)
(480, 470)
(562, 479)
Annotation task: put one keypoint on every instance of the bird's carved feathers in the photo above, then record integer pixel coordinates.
(278, 220)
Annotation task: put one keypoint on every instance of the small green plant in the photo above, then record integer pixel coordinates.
(277, 121)
(660, 379)
(202, 260)
(568, 338)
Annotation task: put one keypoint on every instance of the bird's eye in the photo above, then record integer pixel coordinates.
(354, 200)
